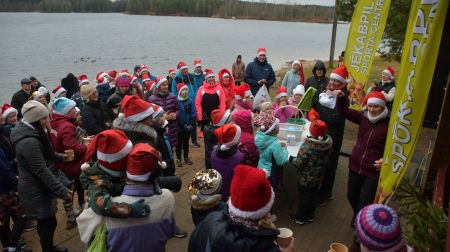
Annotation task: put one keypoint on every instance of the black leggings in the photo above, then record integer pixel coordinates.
(10, 238)
(183, 143)
(46, 230)
(361, 190)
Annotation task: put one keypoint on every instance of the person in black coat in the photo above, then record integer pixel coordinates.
(21, 97)
(93, 114)
(70, 84)
(259, 72)
(318, 81)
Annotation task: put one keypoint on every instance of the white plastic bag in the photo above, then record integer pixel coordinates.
(261, 96)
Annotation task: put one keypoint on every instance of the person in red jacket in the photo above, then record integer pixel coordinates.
(227, 83)
(63, 121)
(367, 155)
(210, 96)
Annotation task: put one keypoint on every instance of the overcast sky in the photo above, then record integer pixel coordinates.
(318, 2)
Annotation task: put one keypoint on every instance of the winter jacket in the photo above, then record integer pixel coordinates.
(186, 114)
(271, 153)
(200, 208)
(217, 232)
(209, 97)
(283, 113)
(238, 71)
(311, 161)
(70, 84)
(78, 100)
(291, 80)
(188, 80)
(104, 92)
(37, 186)
(170, 104)
(371, 140)
(18, 100)
(199, 78)
(210, 141)
(66, 139)
(8, 179)
(247, 145)
(224, 162)
(93, 117)
(166, 151)
(256, 71)
(133, 234)
(228, 88)
(137, 132)
(313, 81)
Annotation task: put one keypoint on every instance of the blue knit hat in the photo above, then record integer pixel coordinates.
(62, 105)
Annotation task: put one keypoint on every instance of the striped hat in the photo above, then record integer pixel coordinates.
(378, 227)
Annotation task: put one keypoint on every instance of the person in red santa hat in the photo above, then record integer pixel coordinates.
(170, 77)
(103, 87)
(243, 98)
(227, 83)
(259, 72)
(386, 86)
(59, 92)
(246, 226)
(367, 154)
(185, 123)
(327, 112)
(143, 168)
(82, 80)
(219, 117)
(280, 107)
(10, 116)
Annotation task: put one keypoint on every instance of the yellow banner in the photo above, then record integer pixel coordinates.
(420, 50)
(364, 36)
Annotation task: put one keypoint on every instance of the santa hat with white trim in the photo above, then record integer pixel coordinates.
(251, 196)
(83, 80)
(134, 109)
(7, 110)
(228, 135)
(261, 50)
(219, 117)
(340, 74)
(389, 71)
(374, 98)
(124, 72)
(197, 63)
(281, 92)
(143, 68)
(159, 81)
(242, 91)
(209, 73)
(58, 91)
(143, 159)
(112, 148)
(102, 78)
(181, 86)
(181, 65)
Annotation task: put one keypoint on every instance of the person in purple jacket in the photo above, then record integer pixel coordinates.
(226, 155)
(169, 103)
(367, 154)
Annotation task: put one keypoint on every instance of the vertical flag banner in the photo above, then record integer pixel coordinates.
(420, 50)
(364, 36)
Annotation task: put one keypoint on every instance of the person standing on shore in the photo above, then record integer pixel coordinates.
(35, 85)
(22, 96)
(259, 72)
(238, 70)
(199, 78)
(293, 77)
(318, 81)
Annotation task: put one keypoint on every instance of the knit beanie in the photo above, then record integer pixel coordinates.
(34, 111)
(63, 105)
(43, 90)
(268, 122)
(87, 90)
(205, 183)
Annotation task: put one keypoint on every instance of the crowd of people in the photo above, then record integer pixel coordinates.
(122, 137)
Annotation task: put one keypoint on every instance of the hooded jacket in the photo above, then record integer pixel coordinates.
(37, 185)
(94, 117)
(238, 70)
(256, 71)
(271, 153)
(291, 80)
(209, 97)
(137, 132)
(315, 82)
(170, 105)
(247, 145)
(199, 78)
(186, 114)
(228, 88)
(66, 139)
(70, 84)
(311, 160)
(225, 162)
(188, 80)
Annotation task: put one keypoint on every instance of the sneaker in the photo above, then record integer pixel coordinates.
(310, 220)
(296, 220)
(17, 249)
(188, 161)
(71, 224)
(29, 227)
(196, 145)
(180, 233)
(178, 162)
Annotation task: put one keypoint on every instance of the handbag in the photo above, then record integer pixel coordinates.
(99, 244)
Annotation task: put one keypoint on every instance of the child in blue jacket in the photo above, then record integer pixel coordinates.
(186, 123)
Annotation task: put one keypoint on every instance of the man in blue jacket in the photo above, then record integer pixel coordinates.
(259, 72)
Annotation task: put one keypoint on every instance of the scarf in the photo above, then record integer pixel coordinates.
(180, 98)
(375, 119)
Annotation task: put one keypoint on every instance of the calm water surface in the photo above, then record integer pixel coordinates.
(49, 46)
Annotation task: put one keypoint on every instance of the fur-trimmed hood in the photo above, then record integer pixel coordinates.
(205, 204)
(136, 132)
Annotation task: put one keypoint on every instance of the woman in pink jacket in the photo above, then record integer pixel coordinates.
(210, 96)
(243, 118)
(227, 83)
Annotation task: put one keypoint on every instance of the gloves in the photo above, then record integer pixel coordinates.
(139, 210)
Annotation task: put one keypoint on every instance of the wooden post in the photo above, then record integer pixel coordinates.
(333, 34)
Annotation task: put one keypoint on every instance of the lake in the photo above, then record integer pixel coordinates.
(48, 46)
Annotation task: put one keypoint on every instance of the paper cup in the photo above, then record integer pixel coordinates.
(86, 140)
(338, 247)
(284, 238)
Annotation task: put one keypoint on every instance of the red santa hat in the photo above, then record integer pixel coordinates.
(181, 86)
(7, 110)
(112, 148)
(261, 50)
(197, 63)
(181, 65)
(251, 195)
(143, 68)
(209, 73)
(83, 80)
(171, 71)
(228, 135)
(389, 71)
(219, 117)
(159, 81)
(340, 74)
(134, 109)
(149, 85)
(318, 129)
(143, 159)
(242, 91)
(145, 77)
(281, 92)
(374, 98)
(58, 91)
(102, 78)
(124, 72)
(112, 74)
